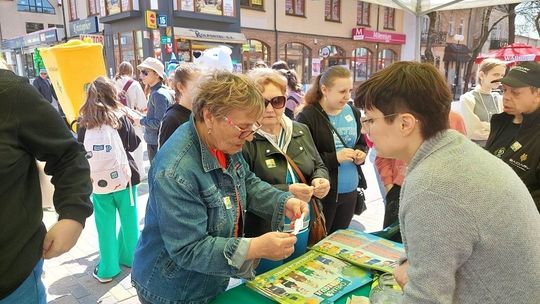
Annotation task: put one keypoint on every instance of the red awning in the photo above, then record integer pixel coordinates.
(515, 52)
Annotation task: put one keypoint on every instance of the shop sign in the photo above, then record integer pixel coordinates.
(151, 19)
(94, 38)
(84, 26)
(213, 36)
(162, 20)
(165, 39)
(41, 37)
(363, 34)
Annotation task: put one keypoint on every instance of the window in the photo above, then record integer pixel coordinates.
(389, 14)
(253, 51)
(33, 27)
(111, 7)
(363, 61)
(362, 13)
(93, 7)
(72, 10)
(253, 4)
(212, 7)
(386, 57)
(295, 7)
(298, 57)
(332, 10)
(461, 26)
(35, 6)
(451, 26)
(127, 46)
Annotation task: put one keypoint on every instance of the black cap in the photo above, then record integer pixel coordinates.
(525, 74)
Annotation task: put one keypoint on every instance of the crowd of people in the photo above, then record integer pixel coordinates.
(237, 159)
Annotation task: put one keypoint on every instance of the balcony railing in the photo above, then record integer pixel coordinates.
(495, 44)
(437, 38)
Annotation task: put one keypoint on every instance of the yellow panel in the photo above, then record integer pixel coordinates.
(72, 66)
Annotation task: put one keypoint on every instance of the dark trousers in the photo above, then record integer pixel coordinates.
(339, 214)
(152, 150)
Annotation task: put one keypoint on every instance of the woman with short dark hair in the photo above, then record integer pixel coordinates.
(467, 222)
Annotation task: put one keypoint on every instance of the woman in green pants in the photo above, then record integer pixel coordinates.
(108, 135)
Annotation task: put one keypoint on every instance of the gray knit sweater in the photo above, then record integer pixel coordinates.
(469, 226)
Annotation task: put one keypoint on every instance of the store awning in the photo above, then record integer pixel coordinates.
(212, 36)
(456, 52)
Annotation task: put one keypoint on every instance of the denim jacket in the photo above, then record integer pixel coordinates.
(187, 251)
(158, 102)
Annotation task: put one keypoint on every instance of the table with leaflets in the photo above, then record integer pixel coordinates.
(341, 265)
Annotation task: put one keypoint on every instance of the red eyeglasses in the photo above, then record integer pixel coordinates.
(277, 102)
(244, 133)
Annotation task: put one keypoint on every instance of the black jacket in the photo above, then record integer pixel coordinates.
(130, 140)
(173, 118)
(319, 125)
(30, 129)
(271, 166)
(524, 157)
(45, 88)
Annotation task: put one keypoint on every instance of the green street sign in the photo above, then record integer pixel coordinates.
(165, 39)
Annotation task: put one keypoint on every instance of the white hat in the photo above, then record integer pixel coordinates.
(154, 65)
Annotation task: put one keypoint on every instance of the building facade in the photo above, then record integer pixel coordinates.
(312, 35)
(135, 30)
(25, 26)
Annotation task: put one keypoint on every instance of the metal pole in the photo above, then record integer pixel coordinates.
(64, 20)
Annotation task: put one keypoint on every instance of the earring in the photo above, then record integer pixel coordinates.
(209, 131)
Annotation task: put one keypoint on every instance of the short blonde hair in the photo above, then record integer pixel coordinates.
(487, 65)
(266, 76)
(222, 92)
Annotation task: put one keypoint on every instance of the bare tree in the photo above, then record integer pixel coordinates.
(485, 29)
(430, 37)
(530, 12)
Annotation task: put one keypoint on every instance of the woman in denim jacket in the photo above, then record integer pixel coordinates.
(200, 189)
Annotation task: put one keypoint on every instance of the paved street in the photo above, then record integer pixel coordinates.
(69, 279)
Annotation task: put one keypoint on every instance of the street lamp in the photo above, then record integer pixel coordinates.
(457, 87)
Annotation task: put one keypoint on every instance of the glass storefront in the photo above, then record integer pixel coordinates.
(298, 57)
(254, 51)
(362, 64)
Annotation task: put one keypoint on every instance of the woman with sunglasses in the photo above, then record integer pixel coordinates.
(159, 100)
(326, 112)
(200, 189)
(264, 154)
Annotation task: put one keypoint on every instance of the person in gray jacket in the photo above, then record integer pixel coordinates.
(467, 221)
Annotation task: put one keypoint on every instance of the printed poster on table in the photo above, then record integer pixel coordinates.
(311, 278)
(362, 249)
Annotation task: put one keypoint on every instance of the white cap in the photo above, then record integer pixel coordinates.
(154, 65)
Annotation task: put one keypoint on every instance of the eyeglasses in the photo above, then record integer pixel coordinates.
(277, 102)
(244, 133)
(367, 122)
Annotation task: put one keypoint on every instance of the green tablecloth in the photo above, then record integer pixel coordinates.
(243, 294)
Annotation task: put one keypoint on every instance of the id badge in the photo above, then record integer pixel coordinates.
(227, 202)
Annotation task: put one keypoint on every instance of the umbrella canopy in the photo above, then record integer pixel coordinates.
(512, 53)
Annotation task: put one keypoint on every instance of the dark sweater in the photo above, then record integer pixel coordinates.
(30, 129)
(173, 118)
(522, 149)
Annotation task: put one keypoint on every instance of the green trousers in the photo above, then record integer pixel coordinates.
(116, 249)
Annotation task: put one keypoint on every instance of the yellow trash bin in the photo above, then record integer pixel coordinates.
(72, 66)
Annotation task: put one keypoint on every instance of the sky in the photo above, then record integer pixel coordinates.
(524, 29)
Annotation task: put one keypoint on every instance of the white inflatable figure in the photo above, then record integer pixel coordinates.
(218, 58)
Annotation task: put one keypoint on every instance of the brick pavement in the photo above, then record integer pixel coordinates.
(69, 279)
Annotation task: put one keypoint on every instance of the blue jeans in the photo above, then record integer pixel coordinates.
(31, 291)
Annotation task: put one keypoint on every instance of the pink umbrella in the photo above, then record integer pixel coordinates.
(512, 53)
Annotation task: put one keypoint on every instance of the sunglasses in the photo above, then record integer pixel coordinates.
(145, 72)
(277, 102)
